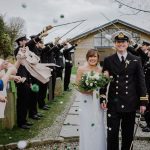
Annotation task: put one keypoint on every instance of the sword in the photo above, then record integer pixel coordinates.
(137, 125)
(110, 21)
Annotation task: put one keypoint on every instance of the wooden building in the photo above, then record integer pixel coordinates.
(96, 39)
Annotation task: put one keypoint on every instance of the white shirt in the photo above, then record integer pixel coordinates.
(124, 55)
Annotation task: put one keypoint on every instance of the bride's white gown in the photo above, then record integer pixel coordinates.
(92, 130)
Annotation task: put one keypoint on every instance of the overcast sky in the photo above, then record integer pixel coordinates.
(39, 13)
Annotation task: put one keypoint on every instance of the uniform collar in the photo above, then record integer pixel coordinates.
(124, 55)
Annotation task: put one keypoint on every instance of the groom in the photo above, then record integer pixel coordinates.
(127, 92)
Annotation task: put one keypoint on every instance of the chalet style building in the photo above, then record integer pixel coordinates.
(96, 39)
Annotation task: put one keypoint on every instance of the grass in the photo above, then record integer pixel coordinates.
(74, 70)
(16, 134)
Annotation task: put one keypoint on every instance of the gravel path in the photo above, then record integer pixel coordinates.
(138, 145)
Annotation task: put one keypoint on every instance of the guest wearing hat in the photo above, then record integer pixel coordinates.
(23, 89)
(126, 93)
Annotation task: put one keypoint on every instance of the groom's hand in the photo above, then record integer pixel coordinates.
(104, 106)
(142, 109)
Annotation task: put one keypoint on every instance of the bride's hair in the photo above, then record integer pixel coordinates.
(92, 52)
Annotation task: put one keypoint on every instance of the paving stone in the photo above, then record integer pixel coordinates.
(69, 131)
(72, 120)
(74, 111)
(76, 104)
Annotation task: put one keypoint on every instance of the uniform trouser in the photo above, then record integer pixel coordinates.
(67, 77)
(114, 120)
(147, 112)
(42, 94)
(33, 100)
(23, 99)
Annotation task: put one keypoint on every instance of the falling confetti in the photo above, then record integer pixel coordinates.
(22, 144)
(85, 101)
(61, 16)
(24, 5)
(35, 88)
(55, 20)
(61, 102)
(109, 115)
(109, 129)
(92, 124)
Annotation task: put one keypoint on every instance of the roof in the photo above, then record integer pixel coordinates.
(108, 24)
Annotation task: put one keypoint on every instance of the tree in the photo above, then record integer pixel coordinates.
(5, 44)
(8, 33)
(135, 6)
(15, 28)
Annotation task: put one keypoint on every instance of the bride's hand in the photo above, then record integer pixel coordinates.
(106, 73)
(90, 92)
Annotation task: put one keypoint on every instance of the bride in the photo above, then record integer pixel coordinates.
(92, 130)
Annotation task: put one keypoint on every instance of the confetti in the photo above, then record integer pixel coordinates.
(23, 5)
(109, 129)
(61, 102)
(109, 115)
(62, 16)
(22, 144)
(85, 101)
(92, 124)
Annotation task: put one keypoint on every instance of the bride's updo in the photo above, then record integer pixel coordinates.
(91, 53)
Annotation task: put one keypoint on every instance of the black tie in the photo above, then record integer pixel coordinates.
(122, 60)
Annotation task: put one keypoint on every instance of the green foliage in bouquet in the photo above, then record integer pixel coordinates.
(92, 80)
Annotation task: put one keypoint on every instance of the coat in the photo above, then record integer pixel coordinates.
(31, 62)
(127, 90)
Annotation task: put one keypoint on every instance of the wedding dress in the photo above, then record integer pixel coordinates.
(92, 130)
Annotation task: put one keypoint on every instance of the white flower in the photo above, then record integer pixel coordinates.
(86, 82)
(96, 76)
(91, 84)
(127, 62)
(111, 77)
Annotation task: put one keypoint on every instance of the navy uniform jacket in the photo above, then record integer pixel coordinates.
(146, 68)
(127, 90)
(59, 56)
(67, 55)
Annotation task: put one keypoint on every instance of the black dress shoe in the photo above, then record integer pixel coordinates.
(35, 117)
(146, 129)
(142, 126)
(24, 126)
(68, 90)
(39, 115)
(44, 108)
(29, 124)
(47, 106)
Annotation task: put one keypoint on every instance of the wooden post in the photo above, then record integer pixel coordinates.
(9, 120)
(50, 89)
(58, 87)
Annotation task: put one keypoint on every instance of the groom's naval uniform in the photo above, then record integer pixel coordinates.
(127, 92)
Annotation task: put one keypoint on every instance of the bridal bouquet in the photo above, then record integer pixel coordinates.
(92, 80)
